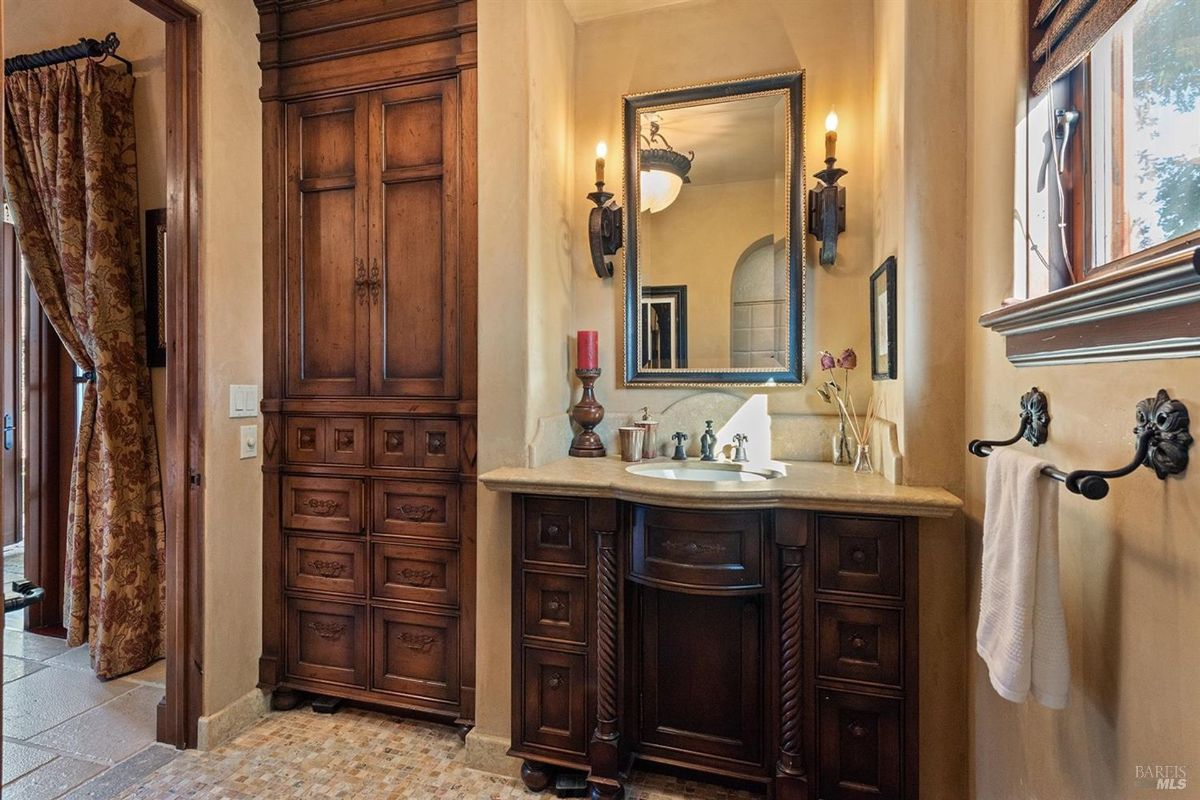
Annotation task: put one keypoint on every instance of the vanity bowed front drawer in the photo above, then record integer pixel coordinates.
(773, 647)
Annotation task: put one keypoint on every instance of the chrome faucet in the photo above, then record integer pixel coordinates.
(739, 451)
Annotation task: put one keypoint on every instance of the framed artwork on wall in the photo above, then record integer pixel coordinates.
(883, 321)
(156, 260)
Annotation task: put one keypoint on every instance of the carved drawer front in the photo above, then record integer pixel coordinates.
(305, 443)
(326, 641)
(555, 530)
(322, 504)
(685, 548)
(415, 574)
(412, 508)
(436, 443)
(326, 565)
(860, 555)
(416, 654)
(346, 441)
(554, 705)
(392, 442)
(859, 745)
(859, 643)
(556, 607)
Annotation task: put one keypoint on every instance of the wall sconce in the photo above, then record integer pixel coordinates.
(827, 203)
(605, 235)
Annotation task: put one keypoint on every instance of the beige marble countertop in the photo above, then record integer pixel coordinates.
(811, 485)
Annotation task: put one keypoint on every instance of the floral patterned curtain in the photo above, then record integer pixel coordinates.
(71, 181)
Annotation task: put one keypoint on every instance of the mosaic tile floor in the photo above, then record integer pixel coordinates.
(358, 754)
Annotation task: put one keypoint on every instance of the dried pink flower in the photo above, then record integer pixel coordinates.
(848, 359)
(827, 361)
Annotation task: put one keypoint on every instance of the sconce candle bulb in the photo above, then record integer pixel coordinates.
(831, 123)
(601, 154)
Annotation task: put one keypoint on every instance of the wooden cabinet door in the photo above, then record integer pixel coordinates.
(413, 178)
(327, 314)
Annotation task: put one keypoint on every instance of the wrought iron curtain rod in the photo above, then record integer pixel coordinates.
(1163, 439)
(86, 48)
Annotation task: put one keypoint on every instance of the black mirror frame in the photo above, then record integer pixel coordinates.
(632, 105)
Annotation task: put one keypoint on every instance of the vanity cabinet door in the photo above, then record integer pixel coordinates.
(859, 743)
(413, 240)
(327, 314)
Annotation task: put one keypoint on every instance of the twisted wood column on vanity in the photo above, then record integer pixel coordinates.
(604, 776)
(791, 775)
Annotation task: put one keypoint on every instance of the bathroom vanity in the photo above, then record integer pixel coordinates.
(764, 631)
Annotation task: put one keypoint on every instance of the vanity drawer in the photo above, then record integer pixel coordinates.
(859, 742)
(554, 701)
(415, 508)
(332, 505)
(416, 654)
(671, 548)
(326, 565)
(556, 607)
(555, 530)
(326, 641)
(860, 643)
(861, 555)
(415, 574)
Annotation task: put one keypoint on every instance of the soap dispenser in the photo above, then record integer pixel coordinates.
(650, 440)
(708, 442)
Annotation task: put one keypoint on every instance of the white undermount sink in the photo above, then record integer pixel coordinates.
(705, 471)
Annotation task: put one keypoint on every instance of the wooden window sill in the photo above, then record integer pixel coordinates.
(1125, 312)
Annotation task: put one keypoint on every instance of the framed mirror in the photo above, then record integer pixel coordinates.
(714, 261)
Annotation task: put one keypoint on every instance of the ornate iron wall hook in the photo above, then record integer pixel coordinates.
(1162, 445)
(1035, 424)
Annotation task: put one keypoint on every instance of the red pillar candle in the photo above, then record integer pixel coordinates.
(588, 355)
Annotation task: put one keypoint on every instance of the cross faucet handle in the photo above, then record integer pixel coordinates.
(740, 438)
(680, 437)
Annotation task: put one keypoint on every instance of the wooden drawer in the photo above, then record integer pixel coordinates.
(859, 746)
(556, 607)
(415, 574)
(860, 643)
(555, 530)
(554, 701)
(861, 555)
(688, 549)
(325, 440)
(414, 508)
(436, 444)
(326, 565)
(392, 442)
(326, 641)
(332, 505)
(416, 654)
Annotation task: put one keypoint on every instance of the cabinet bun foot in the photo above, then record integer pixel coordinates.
(535, 776)
(285, 699)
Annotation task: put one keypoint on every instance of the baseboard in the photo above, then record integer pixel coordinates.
(216, 729)
(489, 753)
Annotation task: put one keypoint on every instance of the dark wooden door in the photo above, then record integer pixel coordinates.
(414, 272)
(327, 282)
(10, 342)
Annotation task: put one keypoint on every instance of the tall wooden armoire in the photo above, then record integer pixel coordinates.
(370, 379)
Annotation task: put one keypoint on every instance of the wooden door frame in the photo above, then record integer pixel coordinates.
(183, 491)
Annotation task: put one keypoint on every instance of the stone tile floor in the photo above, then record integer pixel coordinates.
(362, 755)
(67, 733)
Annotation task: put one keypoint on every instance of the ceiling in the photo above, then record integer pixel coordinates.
(734, 140)
(589, 10)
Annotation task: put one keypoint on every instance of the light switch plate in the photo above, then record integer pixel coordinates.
(243, 400)
(249, 439)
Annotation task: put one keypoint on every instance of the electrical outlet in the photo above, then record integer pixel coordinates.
(243, 400)
(249, 439)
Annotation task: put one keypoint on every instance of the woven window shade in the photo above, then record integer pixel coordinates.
(1062, 32)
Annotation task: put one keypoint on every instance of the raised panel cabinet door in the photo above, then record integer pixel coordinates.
(413, 271)
(859, 740)
(416, 654)
(326, 641)
(328, 313)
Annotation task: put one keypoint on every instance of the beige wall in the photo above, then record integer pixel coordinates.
(1130, 563)
(33, 25)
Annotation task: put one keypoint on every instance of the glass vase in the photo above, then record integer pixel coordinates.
(862, 463)
(841, 445)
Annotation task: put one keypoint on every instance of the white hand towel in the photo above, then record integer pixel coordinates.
(1022, 632)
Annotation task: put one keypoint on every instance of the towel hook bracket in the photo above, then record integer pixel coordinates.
(1035, 424)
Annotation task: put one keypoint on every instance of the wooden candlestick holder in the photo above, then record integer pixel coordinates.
(588, 413)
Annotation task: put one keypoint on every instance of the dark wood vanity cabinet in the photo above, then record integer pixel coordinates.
(370, 352)
(776, 647)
